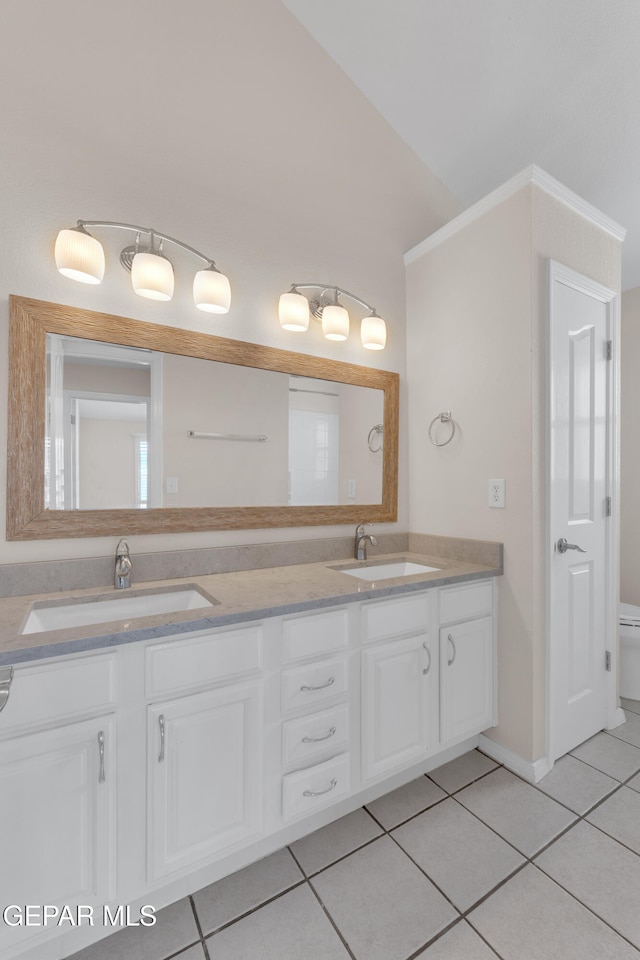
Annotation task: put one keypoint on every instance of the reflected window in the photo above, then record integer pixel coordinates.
(141, 449)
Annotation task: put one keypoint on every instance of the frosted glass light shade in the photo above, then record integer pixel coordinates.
(79, 256)
(211, 291)
(335, 322)
(152, 276)
(373, 333)
(293, 311)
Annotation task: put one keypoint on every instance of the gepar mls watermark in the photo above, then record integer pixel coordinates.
(78, 915)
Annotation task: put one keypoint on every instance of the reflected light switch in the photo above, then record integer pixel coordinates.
(351, 489)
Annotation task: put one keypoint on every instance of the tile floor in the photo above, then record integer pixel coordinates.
(468, 863)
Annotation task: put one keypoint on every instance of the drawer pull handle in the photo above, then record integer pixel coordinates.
(6, 679)
(161, 725)
(101, 776)
(428, 666)
(453, 647)
(327, 736)
(321, 686)
(320, 793)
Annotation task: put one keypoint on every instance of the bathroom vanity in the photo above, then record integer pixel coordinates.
(140, 762)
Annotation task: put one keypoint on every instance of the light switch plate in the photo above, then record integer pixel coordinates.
(172, 484)
(497, 493)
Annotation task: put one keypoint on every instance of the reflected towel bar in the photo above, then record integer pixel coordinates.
(251, 438)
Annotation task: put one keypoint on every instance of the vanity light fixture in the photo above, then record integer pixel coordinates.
(295, 309)
(81, 257)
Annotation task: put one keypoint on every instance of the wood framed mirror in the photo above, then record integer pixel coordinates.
(195, 460)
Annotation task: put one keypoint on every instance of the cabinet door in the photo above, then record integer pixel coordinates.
(466, 684)
(399, 690)
(204, 772)
(57, 808)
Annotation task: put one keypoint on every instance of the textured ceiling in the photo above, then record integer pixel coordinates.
(480, 89)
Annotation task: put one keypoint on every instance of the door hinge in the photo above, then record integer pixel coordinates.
(609, 349)
(607, 660)
(73, 420)
(607, 506)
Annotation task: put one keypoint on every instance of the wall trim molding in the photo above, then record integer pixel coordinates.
(619, 717)
(530, 770)
(531, 174)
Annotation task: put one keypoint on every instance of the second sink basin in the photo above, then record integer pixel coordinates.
(85, 611)
(387, 571)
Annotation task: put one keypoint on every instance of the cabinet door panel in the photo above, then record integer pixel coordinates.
(466, 668)
(58, 815)
(204, 773)
(396, 692)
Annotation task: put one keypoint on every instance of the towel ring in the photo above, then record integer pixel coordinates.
(379, 430)
(444, 417)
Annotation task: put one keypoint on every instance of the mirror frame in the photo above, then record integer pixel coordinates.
(31, 320)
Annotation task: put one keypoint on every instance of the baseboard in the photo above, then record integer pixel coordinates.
(619, 717)
(531, 770)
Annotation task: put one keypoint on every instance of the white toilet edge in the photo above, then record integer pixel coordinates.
(629, 615)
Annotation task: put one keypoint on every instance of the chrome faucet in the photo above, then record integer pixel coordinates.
(362, 539)
(124, 566)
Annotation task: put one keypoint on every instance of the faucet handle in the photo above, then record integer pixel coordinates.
(361, 528)
(122, 550)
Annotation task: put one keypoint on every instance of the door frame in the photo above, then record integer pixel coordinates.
(559, 273)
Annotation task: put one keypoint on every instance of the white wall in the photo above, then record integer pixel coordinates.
(222, 124)
(630, 449)
(476, 315)
(210, 397)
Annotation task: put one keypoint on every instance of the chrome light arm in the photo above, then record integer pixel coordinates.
(324, 287)
(147, 230)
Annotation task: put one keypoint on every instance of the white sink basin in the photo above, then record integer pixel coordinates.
(387, 571)
(83, 611)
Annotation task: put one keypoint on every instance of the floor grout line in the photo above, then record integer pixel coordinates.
(206, 941)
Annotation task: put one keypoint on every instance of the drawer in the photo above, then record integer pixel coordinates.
(60, 690)
(391, 618)
(184, 663)
(318, 786)
(314, 635)
(464, 603)
(313, 683)
(308, 736)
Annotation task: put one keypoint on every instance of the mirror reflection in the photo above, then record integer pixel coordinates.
(128, 427)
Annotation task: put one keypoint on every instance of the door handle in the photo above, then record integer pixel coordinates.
(563, 546)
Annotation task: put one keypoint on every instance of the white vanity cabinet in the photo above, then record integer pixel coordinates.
(399, 684)
(57, 791)
(467, 661)
(204, 758)
(231, 742)
(315, 725)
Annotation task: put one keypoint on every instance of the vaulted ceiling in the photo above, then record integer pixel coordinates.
(480, 89)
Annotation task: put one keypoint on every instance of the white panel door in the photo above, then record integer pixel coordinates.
(579, 579)
(57, 810)
(204, 773)
(399, 690)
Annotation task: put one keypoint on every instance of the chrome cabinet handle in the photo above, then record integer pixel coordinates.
(305, 687)
(453, 647)
(320, 793)
(161, 725)
(563, 546)
(6, 679)
(101, 776)
(428, 666)
(319, 739)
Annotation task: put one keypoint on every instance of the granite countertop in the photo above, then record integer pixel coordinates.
(240, 597)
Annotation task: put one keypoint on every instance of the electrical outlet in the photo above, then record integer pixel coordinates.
(496, 493)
